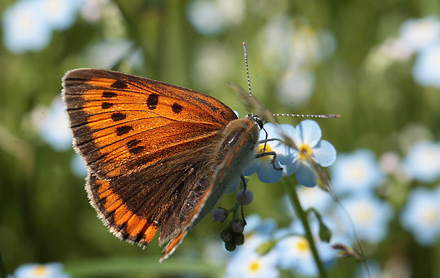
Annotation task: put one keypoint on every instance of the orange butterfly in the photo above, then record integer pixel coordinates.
(158, 155)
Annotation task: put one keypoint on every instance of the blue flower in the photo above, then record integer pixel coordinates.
(60, 14)
(285, 155)
(213, 17)
(307, 137)
(54, 130)
(426, 70)
(295, 253)
(24, 27)
(78, 167)
(310, 197)
(256, 225)
(357, 171)
(28, 24)
(420, 32)
(246, 262)
(374, 270)
(314, 197)
(421, 215)
(370, 216)
(423, 161)
(296, 86)
(49, 270)
(107, 53)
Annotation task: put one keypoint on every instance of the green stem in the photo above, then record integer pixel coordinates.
(291, 192)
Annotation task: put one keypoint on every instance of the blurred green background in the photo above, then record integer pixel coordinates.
(45, 215)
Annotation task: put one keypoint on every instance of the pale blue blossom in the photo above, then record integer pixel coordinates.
(307, 137)
(54, 129)
(295, 253)
(107, 53)
(423, 161)
(264, 166)
(356, 171)
(374, 270)
(421, 215)
(60, 14)
(49, 270)
(257, 225)
(25, 28)
(246, 262)
(426, 70)
(212, 17)
(314, 197)
(420, 32)
(296, 87)
(370, 216)
(78, 166)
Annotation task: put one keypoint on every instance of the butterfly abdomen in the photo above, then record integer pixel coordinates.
(234, 154)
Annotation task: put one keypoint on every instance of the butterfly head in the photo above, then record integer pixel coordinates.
(258, 120)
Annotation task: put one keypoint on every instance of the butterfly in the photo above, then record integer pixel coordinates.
(159, 156)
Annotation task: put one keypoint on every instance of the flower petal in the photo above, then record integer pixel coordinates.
(324, 153)
(289, 169)
(310, 132)
(305, 175)
(268, 174)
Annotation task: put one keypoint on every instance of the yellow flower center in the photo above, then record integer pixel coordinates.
(263, 149)
(305, 152)
(431, 216)
(364, 215)
(40, 270)
(255, 266)
(302, 245)
(357, 171)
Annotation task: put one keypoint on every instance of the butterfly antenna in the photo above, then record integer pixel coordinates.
(247, 68)
(322, 116)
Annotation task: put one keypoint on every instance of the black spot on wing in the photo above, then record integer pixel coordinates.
(121, 130)
(152, 101)
(119, 84)
(177, 108)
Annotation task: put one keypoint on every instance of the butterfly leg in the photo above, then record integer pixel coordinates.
(243, 179)
(274, 154)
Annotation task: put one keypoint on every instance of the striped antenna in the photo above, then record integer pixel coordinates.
(247, 68)
(322, 116)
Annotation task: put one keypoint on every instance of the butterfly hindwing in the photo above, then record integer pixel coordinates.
(134, 207)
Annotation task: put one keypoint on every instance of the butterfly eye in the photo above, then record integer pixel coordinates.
(259, 122)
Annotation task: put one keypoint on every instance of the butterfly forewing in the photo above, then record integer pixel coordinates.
(117, 118)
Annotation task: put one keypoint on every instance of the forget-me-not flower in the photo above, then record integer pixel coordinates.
(307, 137)
(214, 16)
(49, 270)
(423, 161)
(357, 171)
(420, 32)
(370, 216)
(264, 166)
(60, 14)
(246, 262)
(421, 215)
(54, 129)
(25, 28)
(426, 70)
